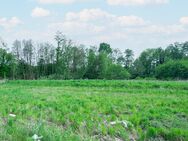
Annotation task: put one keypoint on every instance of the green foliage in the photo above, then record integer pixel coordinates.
(103, 63)
(7, 64)
(128, 58)
(173, 70)
(66, 61)
(91, 70)
(117, 72)
(150, 59)
(174, 52)
(83, 110)
(105, 48)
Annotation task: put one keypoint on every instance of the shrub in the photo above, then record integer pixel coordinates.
(117, 72)
(173, 70)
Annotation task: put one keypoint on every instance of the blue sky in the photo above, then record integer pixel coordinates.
(134, 24)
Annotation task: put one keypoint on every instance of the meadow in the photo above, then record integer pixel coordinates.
(91, 110)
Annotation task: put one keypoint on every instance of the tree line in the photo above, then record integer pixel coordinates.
(66, 60)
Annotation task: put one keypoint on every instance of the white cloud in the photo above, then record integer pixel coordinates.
(75, 28)
(96, 22)
(184, 20)
(56, 1)
(92, 26)
(110, 2)
(98, 16)
(158, 29)
(87, 15)
(136, 2)
(40, 12)
(131, 21)
(10, 23)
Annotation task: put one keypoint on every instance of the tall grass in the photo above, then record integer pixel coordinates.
(84, 109)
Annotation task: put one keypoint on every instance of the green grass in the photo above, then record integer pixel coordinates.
(83, 110)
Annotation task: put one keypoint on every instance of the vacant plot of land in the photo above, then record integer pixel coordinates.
(94, 110)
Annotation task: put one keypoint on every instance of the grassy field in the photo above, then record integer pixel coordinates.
(94, 110)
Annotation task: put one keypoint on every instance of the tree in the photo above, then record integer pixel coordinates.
(148, 61)
(129, 58)
(28, 56)
(173, 70)
(117, 72)
(2, 43)
(102, 65)
(78, 62)
(104, 47)
(91, 69)
(17, 49)
(159, 56)
(45, 59)
(174, 52)
(103, 60)
(17, 52)
(71, 61)
(185, 50)
(63, 55)
(117, 57)
(7, 63)
(28, 51)
(61, 41)
(138, 69)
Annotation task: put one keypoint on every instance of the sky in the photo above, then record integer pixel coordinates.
(133, 24)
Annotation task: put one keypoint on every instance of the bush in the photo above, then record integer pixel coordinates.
(117, 72)
(173, 70)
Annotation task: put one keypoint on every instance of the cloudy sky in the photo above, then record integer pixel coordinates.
(134, 24)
